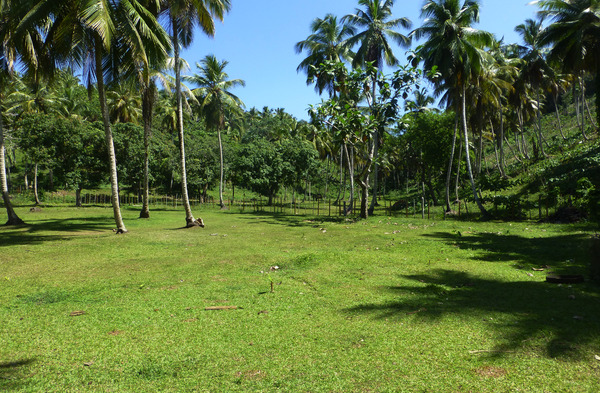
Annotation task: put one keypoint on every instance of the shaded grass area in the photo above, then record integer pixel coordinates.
(382, 305)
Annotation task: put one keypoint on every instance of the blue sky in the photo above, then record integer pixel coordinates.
(257, 37)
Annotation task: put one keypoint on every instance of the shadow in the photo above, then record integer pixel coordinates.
(64, 229)
(294, 221)
(9, 373)
(563, 254)
(559, 321)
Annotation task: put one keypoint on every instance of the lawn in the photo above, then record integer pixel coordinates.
(384, 305)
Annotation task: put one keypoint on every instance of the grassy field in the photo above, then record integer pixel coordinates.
(386, 305)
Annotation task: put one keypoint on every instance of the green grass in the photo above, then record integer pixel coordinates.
(386, 305)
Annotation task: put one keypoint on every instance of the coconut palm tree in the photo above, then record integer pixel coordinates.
(574, 36)
(455, 49)
(26, 45)
(215, 99)
(377, 28)
(93, 35)
(326, 43)
(536, 70)
(184, 16)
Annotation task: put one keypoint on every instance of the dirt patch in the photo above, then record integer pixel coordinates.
(252, 375)
(491, 372)
(116, 332)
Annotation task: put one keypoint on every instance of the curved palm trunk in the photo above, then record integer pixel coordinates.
(375, 155)
(114, 184)
(484, 212)
(13, 218)
(450, 164)
(221, 169)
(189, 217)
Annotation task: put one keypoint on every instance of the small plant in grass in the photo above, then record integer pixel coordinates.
(271, 281)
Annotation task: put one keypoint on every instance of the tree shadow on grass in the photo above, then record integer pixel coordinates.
(54, 230)
(296, 221)
(560, 321)
(10, 373)
(563, 254)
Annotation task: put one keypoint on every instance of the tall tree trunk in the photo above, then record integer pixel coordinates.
(351, 176)
(484, 212)
(147, 109)
(538, 114)
(457, 179)
(35, 184)
(374, 202)
(78, 196)
(189, 217)
(450, 165)
(114, 184)
(582, 86)
(376, 139)
(501, 143)
(13, 218)
(560, 127)
(221, 170)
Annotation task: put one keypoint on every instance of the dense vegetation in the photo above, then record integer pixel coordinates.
(526, 141)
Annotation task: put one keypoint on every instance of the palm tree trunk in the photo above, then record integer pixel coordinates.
(147, 115)
(35, 184)
(375, 155)
(501, 143)
(582, 85)
(560, 128)
(539, 124)
(189, 217)
(221, 169)
(484, 212)
(457, 179)
(13, 218)
(114, 184)
(450, 165)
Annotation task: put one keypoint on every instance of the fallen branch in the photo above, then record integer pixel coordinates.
(476, 351)
(212, 308)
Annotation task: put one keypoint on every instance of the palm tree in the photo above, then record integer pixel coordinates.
(536, 69)
(184, 15)
(574, 36)
(26, 45)
(124, 104)
(377, 28)
(84, 33)
(215, 99)
(454, 48)
(326, 43)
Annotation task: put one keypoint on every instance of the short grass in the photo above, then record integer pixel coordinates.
(386, 305)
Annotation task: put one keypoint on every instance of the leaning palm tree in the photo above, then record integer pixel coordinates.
(215, 99)
(184, 16)
(327, 42)
(377, 29)
(455, 49)
(574, 37)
